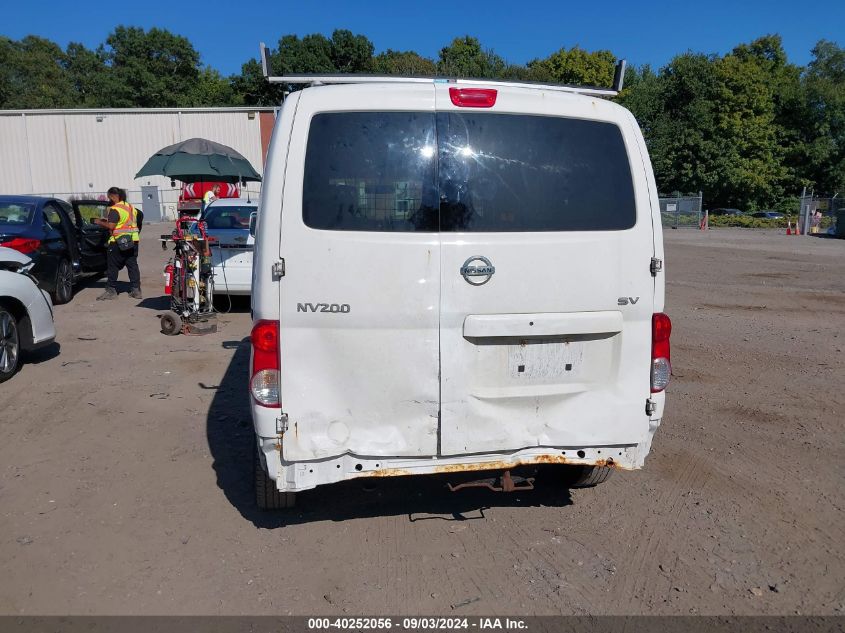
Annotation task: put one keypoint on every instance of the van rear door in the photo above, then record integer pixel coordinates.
(360, 296)
(541, 244)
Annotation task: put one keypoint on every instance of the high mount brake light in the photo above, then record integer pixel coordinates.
(264, 383)
(473, 97)
(661, 366)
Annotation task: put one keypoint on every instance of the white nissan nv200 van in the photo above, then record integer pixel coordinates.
(451, 276)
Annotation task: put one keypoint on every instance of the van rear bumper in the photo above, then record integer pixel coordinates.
(305, 475)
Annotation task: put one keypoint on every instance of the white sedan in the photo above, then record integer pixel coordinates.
(26, 313)
(227, 220)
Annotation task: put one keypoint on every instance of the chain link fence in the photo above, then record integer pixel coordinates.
(681, 211)
(167, 198)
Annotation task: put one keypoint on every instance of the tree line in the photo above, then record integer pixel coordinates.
(749, 129)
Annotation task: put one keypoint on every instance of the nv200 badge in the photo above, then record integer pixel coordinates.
(337, 308)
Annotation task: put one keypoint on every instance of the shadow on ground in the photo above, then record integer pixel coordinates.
(42, 354)
(231, 303)
(159, 304)
(222, 303)
(424, 498)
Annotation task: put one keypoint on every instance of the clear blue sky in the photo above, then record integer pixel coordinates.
(227, 33)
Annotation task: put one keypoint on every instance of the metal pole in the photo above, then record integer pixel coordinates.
(677, 208)
(807, 213)
(700, 197)
(800, 207)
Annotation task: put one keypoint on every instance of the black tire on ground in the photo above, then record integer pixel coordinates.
(171, 324)
(10, 345)
(64, 283)
(267, 496)
(586, 476)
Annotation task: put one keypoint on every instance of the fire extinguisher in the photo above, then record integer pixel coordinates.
(168, 279)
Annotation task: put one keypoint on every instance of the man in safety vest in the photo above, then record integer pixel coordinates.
(210, 196)
(122, 246)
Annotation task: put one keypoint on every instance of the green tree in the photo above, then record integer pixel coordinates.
(406, 63)
(351, 53)
(784, 82)
(719, 124)
(575, 66)
(87, 73)
(464, 57)
(148, 69)
(311, 54)
(677, 112)
(824, 117)
(251, 88)
(516, 72)
(211, 90)
(7, 75)
(345, 52)
(750, 166)
(32, 74)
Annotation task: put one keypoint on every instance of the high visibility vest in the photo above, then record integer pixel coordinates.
(127, 222)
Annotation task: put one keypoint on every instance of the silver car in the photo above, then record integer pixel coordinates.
(227, 221)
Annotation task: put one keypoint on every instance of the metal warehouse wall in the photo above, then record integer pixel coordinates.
(74, 152)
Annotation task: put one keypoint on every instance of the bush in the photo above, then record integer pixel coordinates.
(748, 222)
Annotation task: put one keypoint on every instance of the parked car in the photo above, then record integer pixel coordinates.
(26, 314)
(726, 212)
(56, 236)
(452, 278)
(770, 215)
(228, 221)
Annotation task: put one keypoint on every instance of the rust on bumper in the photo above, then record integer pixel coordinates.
(491, 465)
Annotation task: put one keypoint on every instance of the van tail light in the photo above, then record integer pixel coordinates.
(661, 366)
(22, 245)
(473, 97)
(264, 383)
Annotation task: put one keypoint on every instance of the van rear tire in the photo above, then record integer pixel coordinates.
(586, 476)
(267, 496)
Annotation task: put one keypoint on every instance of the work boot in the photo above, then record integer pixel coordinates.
(135, 293)
(110, 293)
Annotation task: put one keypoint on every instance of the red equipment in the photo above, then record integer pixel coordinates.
(189, 280)
(190, 198)
(168, 279)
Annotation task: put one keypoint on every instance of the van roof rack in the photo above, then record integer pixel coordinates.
(317, 79)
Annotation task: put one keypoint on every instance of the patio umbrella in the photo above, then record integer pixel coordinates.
(199, 160)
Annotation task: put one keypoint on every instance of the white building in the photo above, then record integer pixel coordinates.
(83, 152)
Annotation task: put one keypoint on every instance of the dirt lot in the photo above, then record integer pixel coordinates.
(125, 484)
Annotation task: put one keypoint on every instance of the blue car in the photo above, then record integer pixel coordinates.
(768, 215)
(58, 236)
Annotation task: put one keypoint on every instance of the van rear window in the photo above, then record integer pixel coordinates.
(371, 171)
(465, 172)
(505, 172)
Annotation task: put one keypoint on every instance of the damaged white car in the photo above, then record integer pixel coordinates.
(26, 313)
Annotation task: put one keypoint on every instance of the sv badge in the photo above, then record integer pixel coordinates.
(623, 301)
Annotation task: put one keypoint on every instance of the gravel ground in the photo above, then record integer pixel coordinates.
(125, 482)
